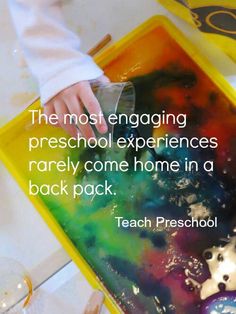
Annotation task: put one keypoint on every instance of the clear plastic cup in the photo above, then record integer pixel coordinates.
(115, 98)
(15, 287)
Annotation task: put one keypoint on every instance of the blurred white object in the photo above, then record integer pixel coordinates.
(232, 80)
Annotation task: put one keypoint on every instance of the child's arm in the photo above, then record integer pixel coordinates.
(52, 53)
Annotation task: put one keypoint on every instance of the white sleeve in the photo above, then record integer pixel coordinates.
(51, 50)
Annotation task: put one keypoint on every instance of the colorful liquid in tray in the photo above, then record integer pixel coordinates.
(150, 270)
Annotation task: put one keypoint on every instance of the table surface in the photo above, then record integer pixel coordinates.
(23, 234)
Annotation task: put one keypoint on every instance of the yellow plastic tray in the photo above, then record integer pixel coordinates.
(10, 131)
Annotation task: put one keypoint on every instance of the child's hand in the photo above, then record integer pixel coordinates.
(71, 100)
